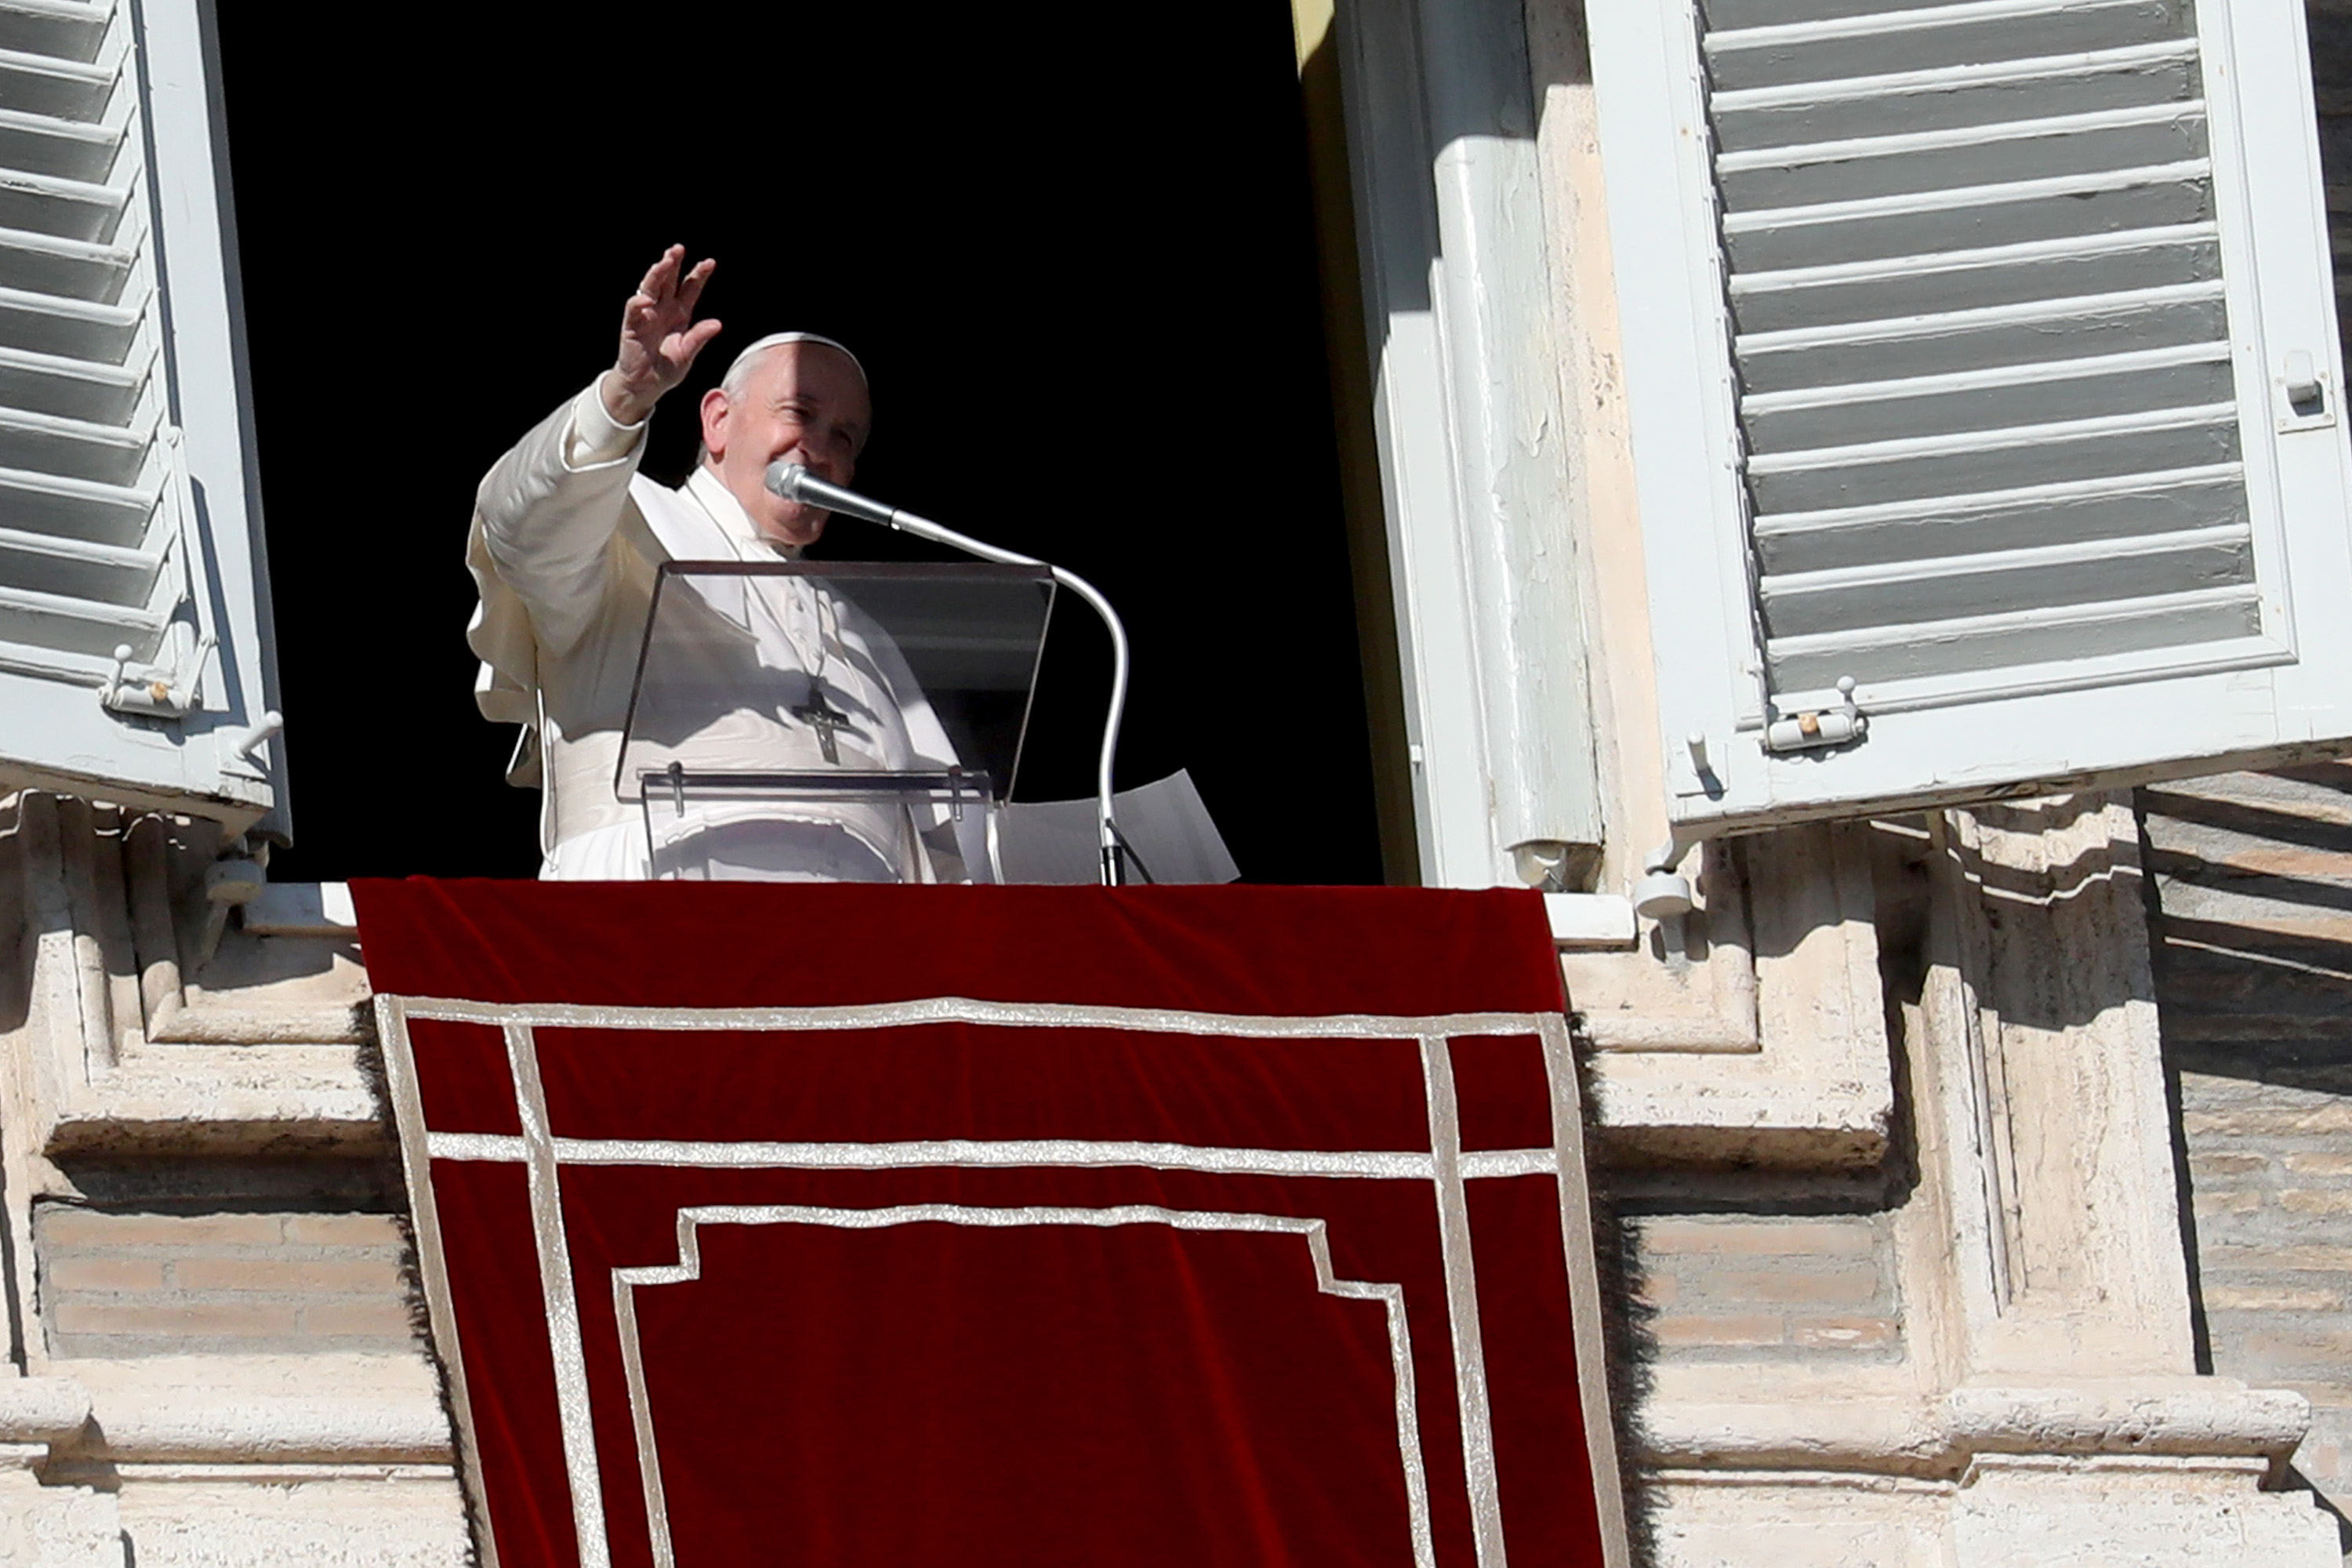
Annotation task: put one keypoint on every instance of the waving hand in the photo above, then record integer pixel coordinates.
(660, 336)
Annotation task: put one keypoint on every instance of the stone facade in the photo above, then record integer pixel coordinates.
(1891, 1171)
(210, 1357)
(1978, 1341)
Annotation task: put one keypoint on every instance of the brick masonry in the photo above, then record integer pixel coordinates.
(1743, 1287)
(2253, 878)
(129, 1284)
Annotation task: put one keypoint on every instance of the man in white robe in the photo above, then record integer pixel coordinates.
(566, 540)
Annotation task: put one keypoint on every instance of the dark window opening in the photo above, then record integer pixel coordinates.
(1074, 251)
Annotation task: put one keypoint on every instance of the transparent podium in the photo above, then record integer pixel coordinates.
(834, 721)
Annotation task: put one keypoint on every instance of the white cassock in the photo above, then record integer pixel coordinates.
(566, 540)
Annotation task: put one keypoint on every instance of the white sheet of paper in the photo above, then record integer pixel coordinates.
(1166, 824)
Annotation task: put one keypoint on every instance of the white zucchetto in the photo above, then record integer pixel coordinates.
(774, 340)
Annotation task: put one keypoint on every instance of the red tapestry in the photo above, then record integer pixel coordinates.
(878, 1228)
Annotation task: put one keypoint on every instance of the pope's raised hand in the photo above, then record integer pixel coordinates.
(660, 336)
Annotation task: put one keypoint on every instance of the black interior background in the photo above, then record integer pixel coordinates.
(1072, 245)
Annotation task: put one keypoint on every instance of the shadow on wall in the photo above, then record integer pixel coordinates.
(2252, 910)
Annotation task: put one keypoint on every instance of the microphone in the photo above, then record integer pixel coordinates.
(795, 483)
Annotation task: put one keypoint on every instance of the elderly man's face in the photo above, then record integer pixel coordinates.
(804, 403)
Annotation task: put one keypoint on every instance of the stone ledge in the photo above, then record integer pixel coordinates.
(41, 1409)
(216, 1098)
(2206, 1416)
(1712, 1111)
(328, 1408)
(1940, 1437)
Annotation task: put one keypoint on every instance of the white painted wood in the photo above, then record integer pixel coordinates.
(1470, 434)
(128, 515)
(1957, 340)
(1396, 239)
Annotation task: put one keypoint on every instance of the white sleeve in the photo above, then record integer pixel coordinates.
(546, 514)
(596, 437)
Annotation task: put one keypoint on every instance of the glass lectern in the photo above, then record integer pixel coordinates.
(835, 721)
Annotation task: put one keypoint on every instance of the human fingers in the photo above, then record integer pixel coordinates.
(690, 288)
(656, 280)
(692, 342)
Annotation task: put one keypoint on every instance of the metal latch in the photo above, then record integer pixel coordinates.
(160, 691)
(1823, 727)
(2305, 400)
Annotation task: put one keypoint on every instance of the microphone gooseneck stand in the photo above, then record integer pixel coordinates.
(795, 483)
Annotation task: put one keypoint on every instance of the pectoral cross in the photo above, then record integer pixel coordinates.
(822, 717)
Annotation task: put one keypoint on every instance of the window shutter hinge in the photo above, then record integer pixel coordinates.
(1812, 730)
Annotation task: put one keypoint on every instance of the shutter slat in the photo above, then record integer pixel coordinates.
(1972, 463)
(1972, 156)
(1929, 37)
(1950, 283)
(81, 553)
(1957, 588)
(2142, 321)
(1920, 223)
(2107, 509)
(1988, 399)
(70, 388)
(1947, 443)
(73, 209)
(63, 29)
(100, 574)
(77, 625)
(1813, 665)
(79, 508)
(1912, 101)
(40, 145)
(75, 448)
(36, 658)
(71, 329)
(63, 89)
(70, 268)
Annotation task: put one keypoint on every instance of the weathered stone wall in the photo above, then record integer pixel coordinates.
(1713, 1286)
(210, 1359)
(2253, 875)
(173, 1284)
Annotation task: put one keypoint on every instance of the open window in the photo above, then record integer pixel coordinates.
(133, 658)
(1985, 396)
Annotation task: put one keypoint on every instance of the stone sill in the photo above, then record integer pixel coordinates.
(331, 1408)
(1937, 1437)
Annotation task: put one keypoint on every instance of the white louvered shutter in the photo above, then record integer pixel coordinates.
(1981, 354)
(127, 519)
